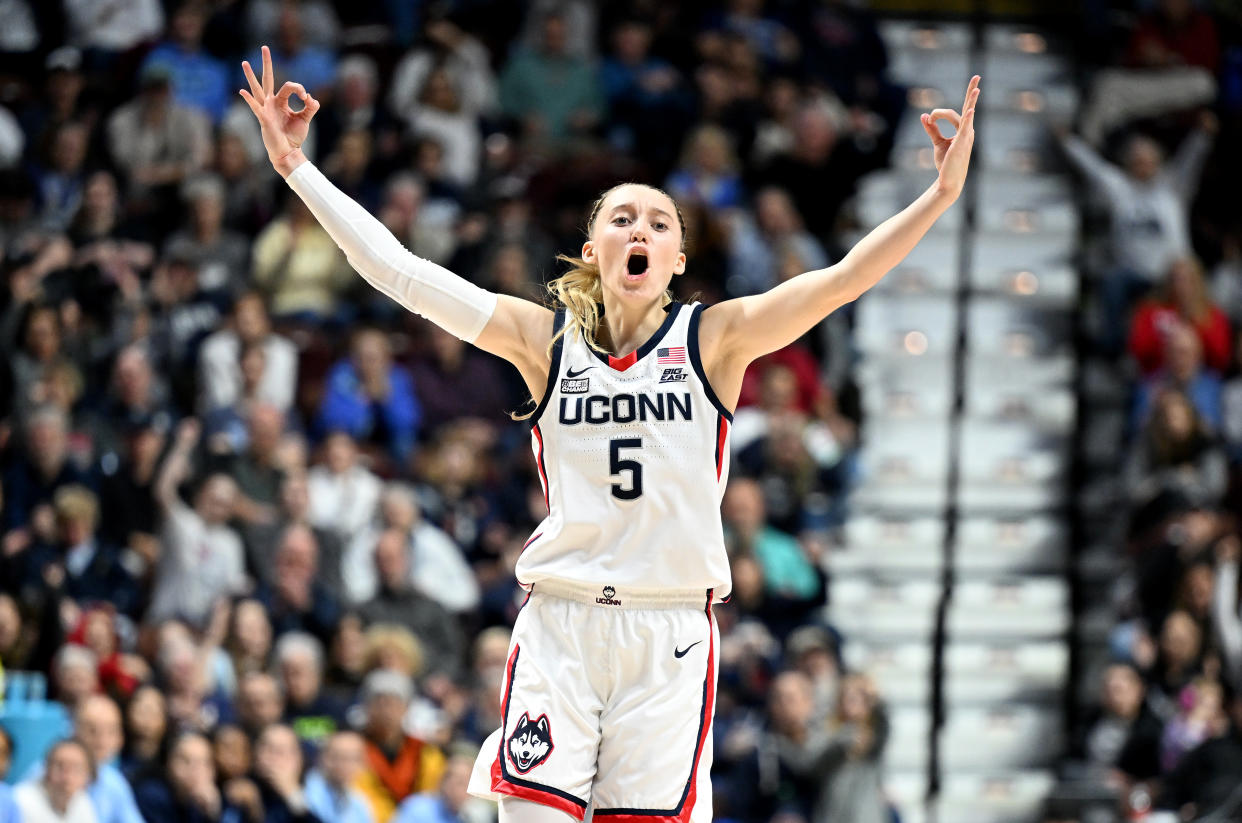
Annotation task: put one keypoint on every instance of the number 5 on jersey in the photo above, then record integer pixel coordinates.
(616, 465)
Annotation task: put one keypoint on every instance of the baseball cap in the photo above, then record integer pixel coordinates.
(65, 58)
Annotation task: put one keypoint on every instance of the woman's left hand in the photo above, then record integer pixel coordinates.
(952, 154)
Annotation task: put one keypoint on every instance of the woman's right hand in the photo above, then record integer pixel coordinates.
(284, 129)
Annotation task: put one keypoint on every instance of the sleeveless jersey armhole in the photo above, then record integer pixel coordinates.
(696, 361)
(554, 367)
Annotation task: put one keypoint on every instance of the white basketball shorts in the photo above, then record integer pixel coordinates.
(607, 700)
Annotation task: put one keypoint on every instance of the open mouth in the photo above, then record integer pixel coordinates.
(636, 263)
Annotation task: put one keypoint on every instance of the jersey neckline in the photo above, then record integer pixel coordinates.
(623, 363)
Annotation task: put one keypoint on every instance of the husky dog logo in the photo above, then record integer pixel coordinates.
(530, 744)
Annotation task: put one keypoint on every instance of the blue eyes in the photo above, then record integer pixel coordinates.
(621, 221)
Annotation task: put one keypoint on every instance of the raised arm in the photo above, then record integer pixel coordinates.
(517, 330)
(176, 465)
(737, 331)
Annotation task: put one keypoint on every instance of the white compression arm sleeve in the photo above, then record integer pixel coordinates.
(451, 302)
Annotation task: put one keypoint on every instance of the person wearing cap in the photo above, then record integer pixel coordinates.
(398, 765)
(154, 141)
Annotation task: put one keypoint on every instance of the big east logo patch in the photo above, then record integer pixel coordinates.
(530, 743)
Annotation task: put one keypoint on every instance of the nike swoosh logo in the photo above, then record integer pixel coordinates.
(572, 373)
(682, 652)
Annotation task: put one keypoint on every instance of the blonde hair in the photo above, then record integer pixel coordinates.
(579, 290)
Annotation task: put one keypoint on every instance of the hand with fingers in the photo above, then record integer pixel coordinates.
(952, 154)
(284, 129)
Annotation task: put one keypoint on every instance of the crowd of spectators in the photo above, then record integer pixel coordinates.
(258, 525)
(1155, 151)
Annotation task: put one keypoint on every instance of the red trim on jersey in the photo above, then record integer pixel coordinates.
(623, 363)
(533, 538)
(722, 434)
(543, 475)
(709, 707)
(528, 792)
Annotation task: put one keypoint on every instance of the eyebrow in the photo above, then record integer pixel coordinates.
(630, 207)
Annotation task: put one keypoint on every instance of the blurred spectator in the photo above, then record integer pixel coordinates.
(1184, 300)
(221, 255)
(1178, 662)
(248, 197)
(295, 599)
(757, 245)
(259, 703)
(812, 650)
(554, 94)
(372, 398)
(262, 538)
(63, 99)
(1176, 453)
(75, 675)
(112, 27)
(439, 114)
(220, 372)
(42, 350)
(1205, 781)
(785, 566)
(397, 765)
(199, 81)
(821, 167)
(351, 166)
(355, 107)
(1148, 203)
(398, 602)
(61, 174)
(819, 770)
(457, 381)
(298, 50)
(202, 557)
(330, 792)
(1200, 716)
(97, 723)
(648, 99)
(348, 658)
(249, 641)
(137, 397)
(1121, 733)
(255, 467)
(232, 752)
(464, 60)
(344, 494)
(707, 173)
(146, 724)
(278, 767)
(59, 796)
(320, 25)
(32, 480)
(186, 792)
(154, 141)
(313, 715)
(298, 267)
(437, 567)
(1226, 616)
(445, 805)
(1174, 33)
(1184, 373)
(91, 570)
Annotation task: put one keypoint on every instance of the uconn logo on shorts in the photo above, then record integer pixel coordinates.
(607, 600)
(530, 744)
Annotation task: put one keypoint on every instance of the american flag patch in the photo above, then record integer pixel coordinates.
(674, 354)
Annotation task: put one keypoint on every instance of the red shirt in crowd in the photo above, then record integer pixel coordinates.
(1151, 323)
(1193, 42)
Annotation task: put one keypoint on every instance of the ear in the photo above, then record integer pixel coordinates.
(543, 724)
(680, 266)
(588, 252)
(524, 720)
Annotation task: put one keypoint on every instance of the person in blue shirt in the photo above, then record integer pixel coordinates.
(372, 398)
(329, 787)
(97, 723)
(444, 806)
(198, 79)
(9, 813)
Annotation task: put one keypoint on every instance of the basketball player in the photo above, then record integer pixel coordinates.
(610, 680)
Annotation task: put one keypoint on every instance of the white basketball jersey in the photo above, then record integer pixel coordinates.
(633, 454)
